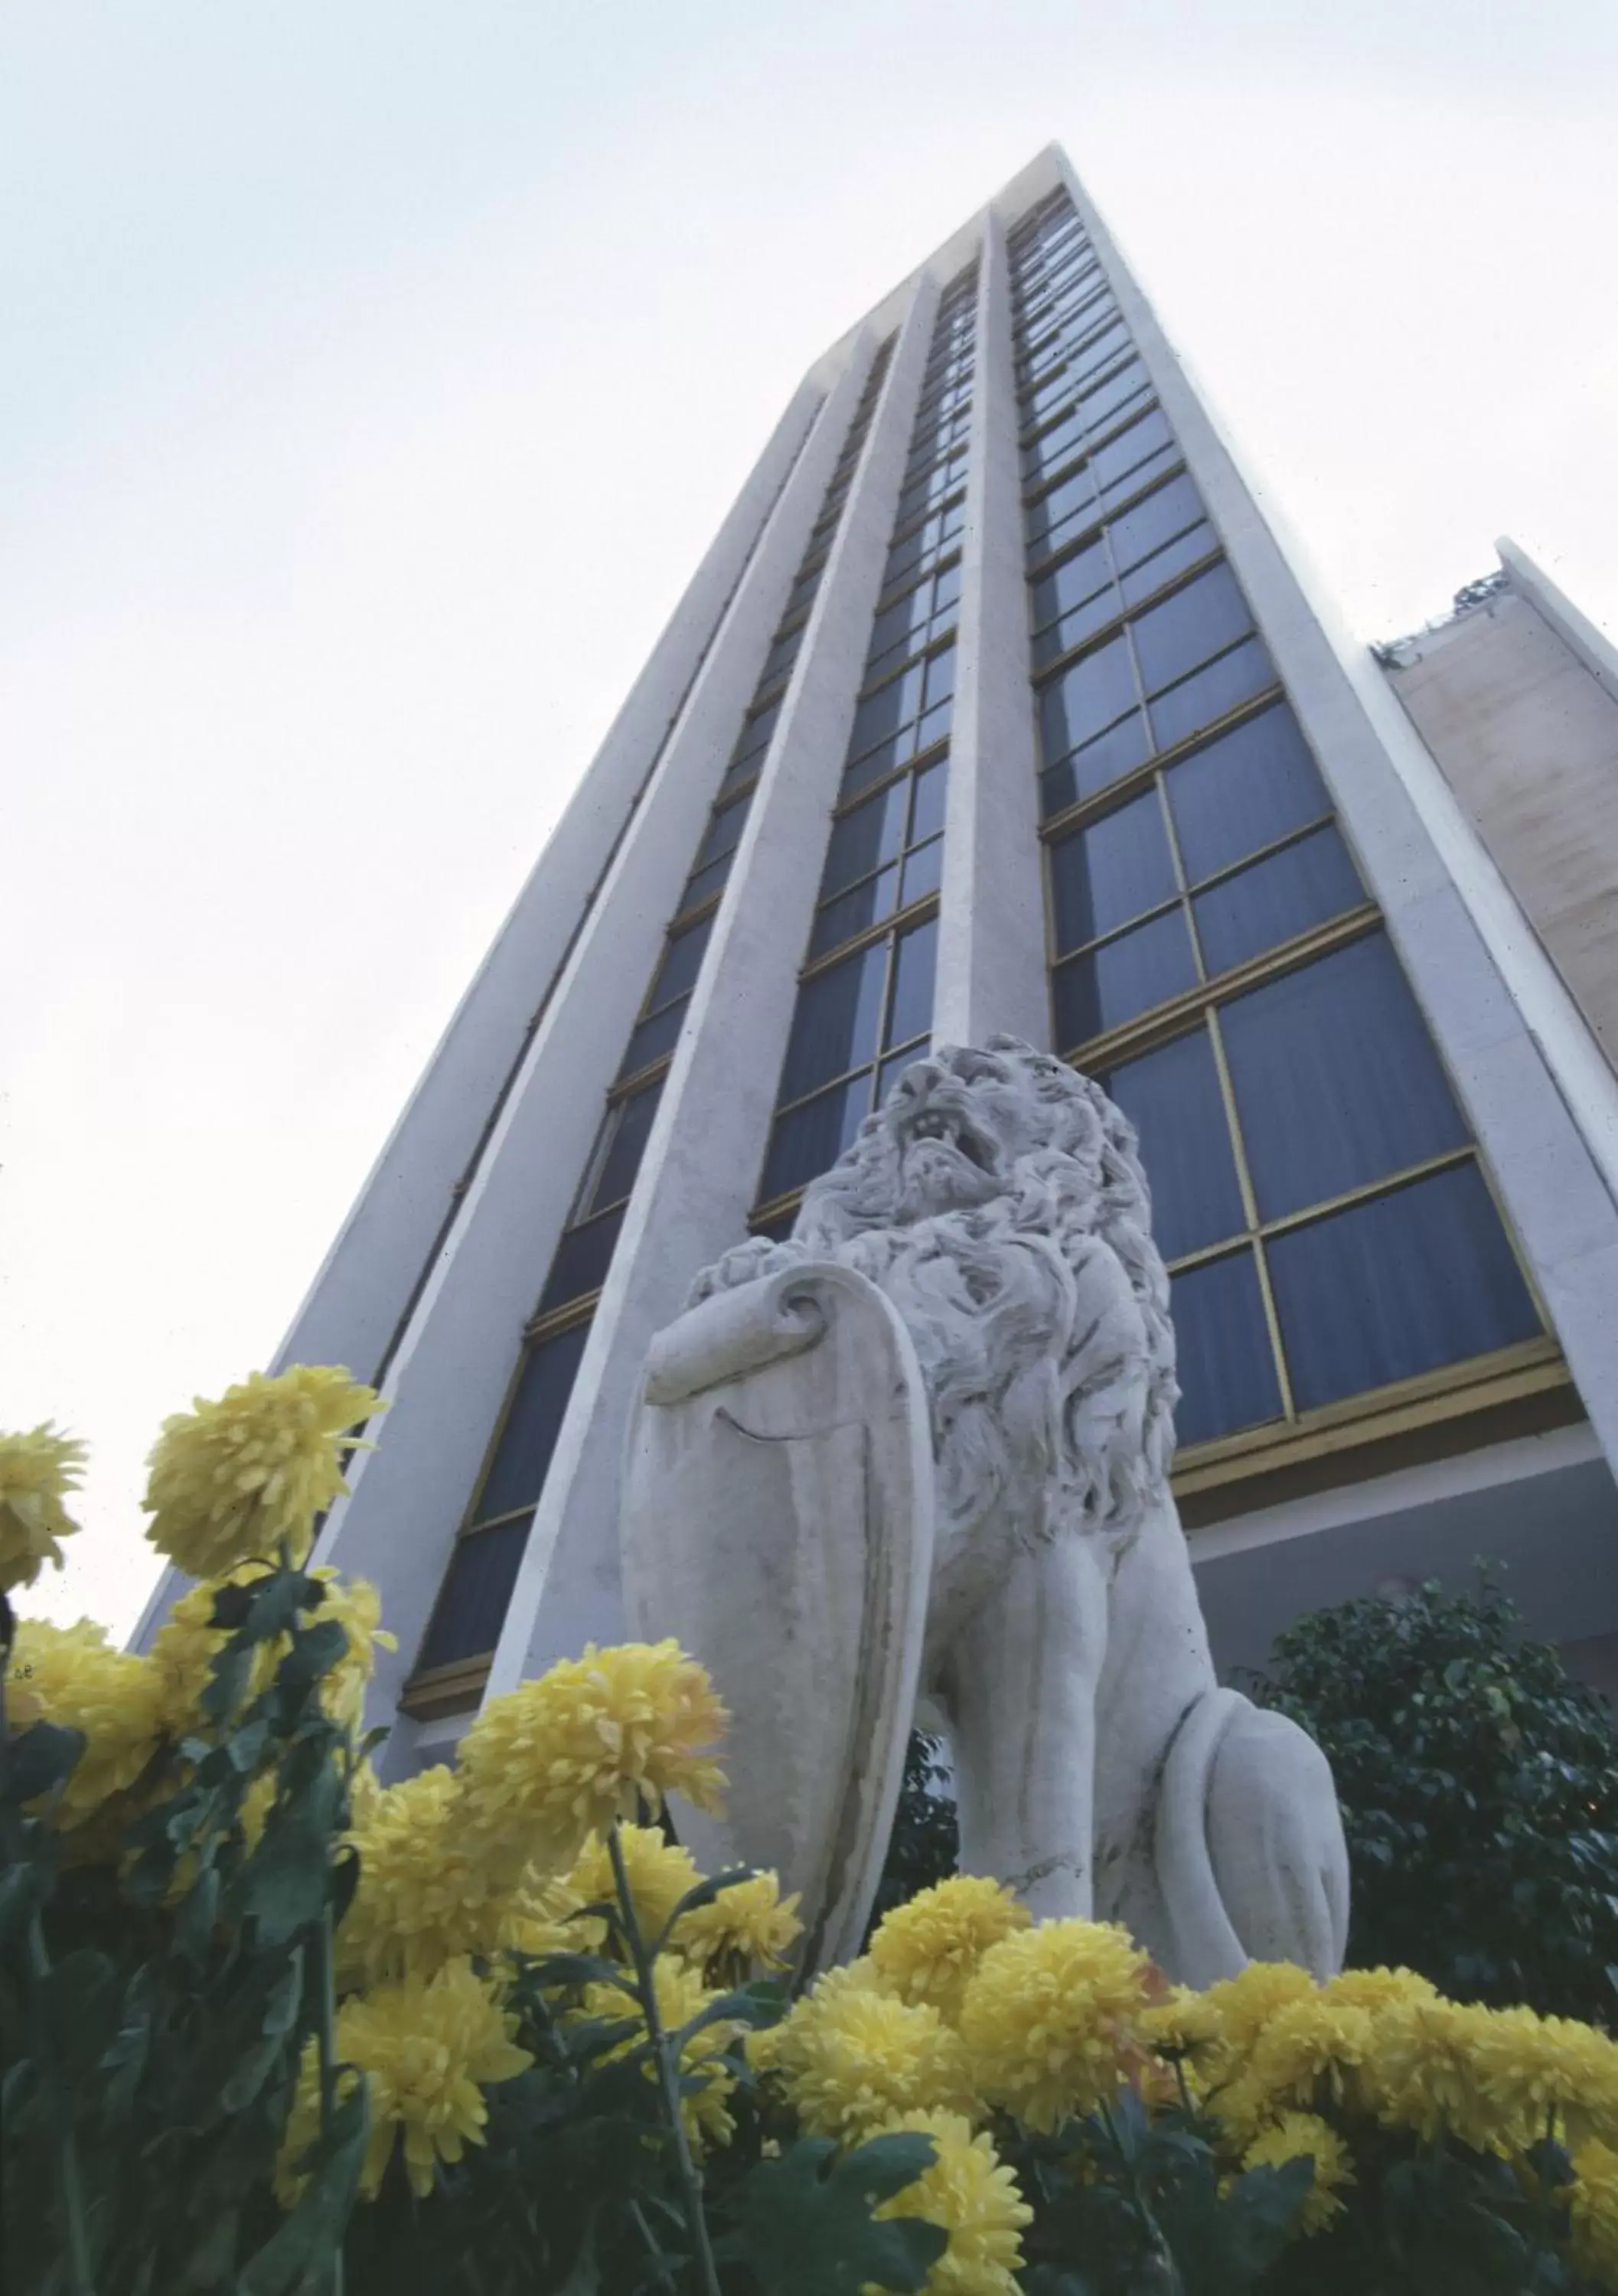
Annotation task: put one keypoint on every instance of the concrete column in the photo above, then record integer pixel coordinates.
(1536, 1091)
(450, 1372)
(365, 1283)
(699, 1172)
(991, 955)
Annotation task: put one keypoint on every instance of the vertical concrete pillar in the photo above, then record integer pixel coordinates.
(991, 956)
(700, 1170)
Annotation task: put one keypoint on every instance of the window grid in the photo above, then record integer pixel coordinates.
(1118, 866)
(879, 906)
(484, 1560)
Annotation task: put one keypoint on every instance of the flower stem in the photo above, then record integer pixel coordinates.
(663, 2057)
(327, 2008)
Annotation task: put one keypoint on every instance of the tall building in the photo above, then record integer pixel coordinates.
(997, 703)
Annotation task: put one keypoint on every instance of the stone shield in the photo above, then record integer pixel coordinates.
(778, 1520)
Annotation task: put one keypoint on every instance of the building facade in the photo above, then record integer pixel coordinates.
(998, 703)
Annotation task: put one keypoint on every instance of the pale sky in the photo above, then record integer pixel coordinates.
(376, 375)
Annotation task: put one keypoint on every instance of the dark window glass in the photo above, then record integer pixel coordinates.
(702, 883)
(1138, 532)
(808, 1140)
(722, 834)
(623, 1137)
(1103, 401)
(1227, 1371)
(1198, 620)
(1188, 549)
(583, 1258)
(934, 726)
(1267, 903)
(1097, 688)
(1069, 584)
(1131, 447)
(516, 1473)
(1071, 501)
(675, 976)
(1400, 1285)
(910, 1011)
(947, 588)
(754, 738)
(852, 913)
(1104, 874)
(836, 1022)
(889, 1074)
(941, 676)
(1122, 977)
(1244, 789)
(472, 1606)
(895, 629)
(882, 713)
(1336, 1081)
(923, 872)
(865, 837)
(780, 657)
(927, 809)
(1096, 765)
(776, 1230)
(1172, 1098)
(1198, 700)
(1052, 447)
(652, 1038)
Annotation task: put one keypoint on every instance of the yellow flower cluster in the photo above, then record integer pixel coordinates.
(681, 1996)
(70, 1676)
(187, 1644)
(1051, 2018)
(748, 1926)
(424, 1898)
(39, 1470)
(928, 1949)
(851, 2056)
(546, 1765)
(1593, 2207)
(428, 2048)
(1305, 2136)
(250, 1472)
(971, 2193)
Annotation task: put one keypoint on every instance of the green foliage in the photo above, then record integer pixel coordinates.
(924, 1846)
(1479, 1788)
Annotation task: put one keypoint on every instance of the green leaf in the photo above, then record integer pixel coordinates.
(38, 1758)
(254, 2067)
(804, 2223)
(79, 2003)
(300, 2252)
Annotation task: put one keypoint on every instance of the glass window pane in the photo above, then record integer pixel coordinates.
(1095, 690)
(723, 833)
(927, 809)
(1137, 533)
(810, 1140)
(676, 975)
(1142, 580)
(516, 1473)
(889, 1074)
(881, 713)
(941, 676)
(1122, 978)
(910, 1011)
(1052, 447)
(1150, 435)
(1102, 401)
(582, 1260)
(852, 911)
(1172, 1098)
(1060, 638)
(1104, 874)
(1198, 620)
(860, 841)
(932, 728)
(1069, 584)
(923, 872)
(1197, 701)
(472, 1606)
(1244, 789)
(652, 1038)
(947, 588)
(1335, 1079)
(702, 883)
(1096, 765)
(1267, 903)
(1227, 1369)
(1396, 1286)
(1072, 497)
(836, 1025)
(623, 1139)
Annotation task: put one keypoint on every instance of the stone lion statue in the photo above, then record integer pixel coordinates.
(997, 1200)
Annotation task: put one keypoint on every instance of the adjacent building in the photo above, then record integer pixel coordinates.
(998, 703)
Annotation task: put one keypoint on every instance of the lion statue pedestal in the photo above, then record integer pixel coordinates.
(923, 1449)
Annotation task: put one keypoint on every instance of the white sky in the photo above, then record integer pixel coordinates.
(376, 375)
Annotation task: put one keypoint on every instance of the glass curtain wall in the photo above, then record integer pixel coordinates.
(864, 996)
(1215, 960)
(472, 1605)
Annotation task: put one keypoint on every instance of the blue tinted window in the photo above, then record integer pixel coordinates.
(910, 1013)
(862, 839)
(1242, 791)
(836, 1025)
(1172, 1098)
(1198, 700)
(1104, 874)
(1123, 977)
(1264, 905)
(1197, 620)
(1227, 1372)
(477, 1588)
(808, 1140)
(516, 1473)
(1097, 688)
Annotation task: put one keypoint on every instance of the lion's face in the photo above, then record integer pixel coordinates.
(959, 1124)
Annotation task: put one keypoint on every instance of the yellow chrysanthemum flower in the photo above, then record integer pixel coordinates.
(1526, 2068)
(1183, 2023)
(1310, 2042)
(428, 2048)
(235, 1478)
(1305, 2136)
(187, 1645)
(971, 2193)
(70, 1675)
(1592, 2201)
(751, 1924)
(681, 1996)
(659, 1873)
(851, 2056)
(565, 1756)
(1052, 2018)
(927, 1950)
(425, 1897)
(1377, 1990)
(1245, 2004)
(39, 1472)
(1422, 2072)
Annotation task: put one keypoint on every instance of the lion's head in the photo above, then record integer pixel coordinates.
(998, 1198)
